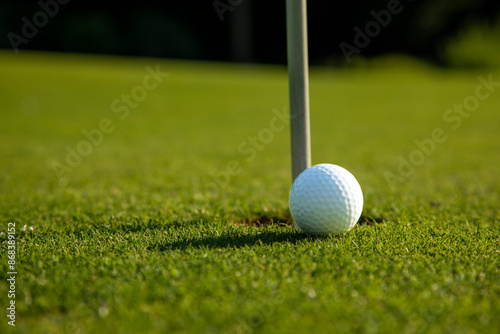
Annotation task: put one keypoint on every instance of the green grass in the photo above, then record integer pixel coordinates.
(136, 238)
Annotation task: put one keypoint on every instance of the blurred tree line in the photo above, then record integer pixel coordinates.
(244, 30)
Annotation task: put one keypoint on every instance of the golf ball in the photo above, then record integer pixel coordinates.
(326, 199)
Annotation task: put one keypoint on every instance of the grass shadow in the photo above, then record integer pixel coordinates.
(234, 239)
(265, 235)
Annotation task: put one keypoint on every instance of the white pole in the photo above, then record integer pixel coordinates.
(298, 76)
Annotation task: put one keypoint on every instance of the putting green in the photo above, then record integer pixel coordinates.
(151, 196)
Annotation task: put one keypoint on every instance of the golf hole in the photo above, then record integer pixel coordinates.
(286, 219)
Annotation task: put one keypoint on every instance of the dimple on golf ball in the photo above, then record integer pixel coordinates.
(326, 199)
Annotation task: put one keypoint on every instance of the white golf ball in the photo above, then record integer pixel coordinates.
(326, 199)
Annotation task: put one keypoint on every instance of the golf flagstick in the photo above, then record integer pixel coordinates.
(298, 77)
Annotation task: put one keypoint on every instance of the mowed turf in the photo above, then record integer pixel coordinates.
(175, 219)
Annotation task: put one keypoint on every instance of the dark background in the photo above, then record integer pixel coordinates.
(253, 31)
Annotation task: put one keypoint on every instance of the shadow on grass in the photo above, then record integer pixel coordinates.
(263, 236)
(235, 240)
